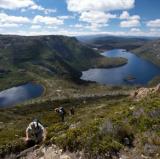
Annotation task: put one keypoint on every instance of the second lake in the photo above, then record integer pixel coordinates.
(136, 71)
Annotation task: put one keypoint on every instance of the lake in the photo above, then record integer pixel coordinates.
(19, 94)
(136, 71)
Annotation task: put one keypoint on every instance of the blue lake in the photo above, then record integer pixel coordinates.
(142, 70)
(19, 94)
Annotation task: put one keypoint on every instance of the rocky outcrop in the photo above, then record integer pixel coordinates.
(47, 152)
(143, 92)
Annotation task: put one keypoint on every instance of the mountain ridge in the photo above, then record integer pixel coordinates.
(60, 54)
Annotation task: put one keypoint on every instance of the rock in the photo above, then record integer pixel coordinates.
(132, 108)
(65, 157)
(138, 113)
(124, 157)
(145, 157)
(27, 151)
(143, 92)
(155, 113)
(157, 89)
(73, 126)
(126, 141)
(150, 150)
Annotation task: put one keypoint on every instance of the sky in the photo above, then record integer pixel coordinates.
(80, 17)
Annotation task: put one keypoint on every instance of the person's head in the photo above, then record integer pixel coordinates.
(35, 120)
(35, 125)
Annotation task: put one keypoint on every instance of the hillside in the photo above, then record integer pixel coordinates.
(109, 121)
(47, 56)
(113, 42)
(150, 51)
(103, 127)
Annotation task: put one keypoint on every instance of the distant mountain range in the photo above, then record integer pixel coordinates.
(53, 54)
(114, 42)
(64, 55)
(146, 47)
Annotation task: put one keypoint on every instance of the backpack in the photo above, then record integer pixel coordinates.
(62, 110)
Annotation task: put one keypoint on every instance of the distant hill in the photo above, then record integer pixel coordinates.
(114, 42)
(53, 54)
(150, 51)
(146, 47)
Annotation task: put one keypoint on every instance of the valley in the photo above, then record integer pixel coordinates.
(79, 79)
(48, 56)
(104, 114)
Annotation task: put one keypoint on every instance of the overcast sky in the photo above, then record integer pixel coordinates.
(80, 17)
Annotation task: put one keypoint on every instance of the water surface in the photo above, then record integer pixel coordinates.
(142, 70)
(19, 94)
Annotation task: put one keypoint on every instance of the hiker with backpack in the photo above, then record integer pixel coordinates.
(72, 111)
(35, 133)
(61, 111)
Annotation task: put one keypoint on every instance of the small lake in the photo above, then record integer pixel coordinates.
(19, 94)
(136, 71)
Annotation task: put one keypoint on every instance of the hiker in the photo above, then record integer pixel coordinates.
(72, 111)
(35, 133)
(61, 111)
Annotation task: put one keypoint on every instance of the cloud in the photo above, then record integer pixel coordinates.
(47, 11)
(135, 30)
(7, 21)
(78, 33)
(64, 17)
(129, 21)
(24, 5)
(77, 26)
(154, 23)
(5, 18)
(15, 4)
(96, 19)
(124, 15)
(8, 25)
(95, 27)
(36, 23)
(35, 26)
(94, 11)
(155, 29)
(40, 8)
(47, 20)
(99, 5)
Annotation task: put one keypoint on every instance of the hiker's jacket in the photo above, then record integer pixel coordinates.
(35, 131)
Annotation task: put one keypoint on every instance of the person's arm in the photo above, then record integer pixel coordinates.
(44, 131)
(44, 134)
(27, 134)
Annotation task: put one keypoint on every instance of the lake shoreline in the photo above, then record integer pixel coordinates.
(116, 75)
(19, 94)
